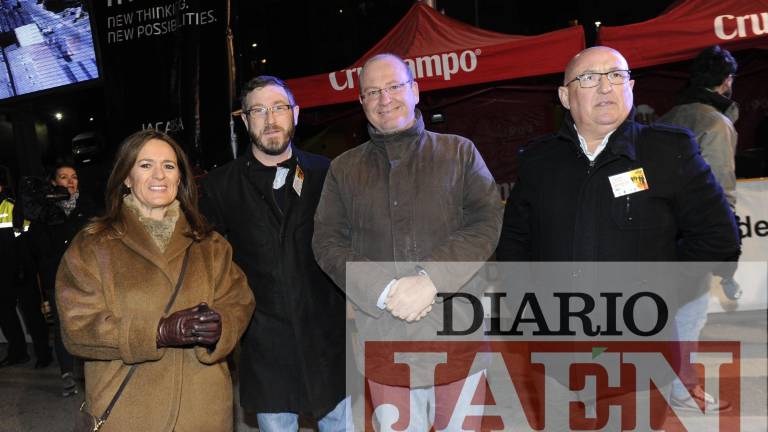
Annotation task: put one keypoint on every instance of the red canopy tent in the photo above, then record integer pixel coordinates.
(445, 53)
(688, 27)
(679, 34)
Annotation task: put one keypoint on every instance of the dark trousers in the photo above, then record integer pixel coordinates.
(66, 361)
(29, 302)
(10, 323)
(25, 294)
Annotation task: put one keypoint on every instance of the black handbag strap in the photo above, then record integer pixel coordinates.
(101, 419)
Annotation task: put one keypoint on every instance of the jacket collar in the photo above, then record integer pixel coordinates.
(261, 176)
(396, 144)
(139, 240)
(706, 96)
(250, 161)
(621, 143)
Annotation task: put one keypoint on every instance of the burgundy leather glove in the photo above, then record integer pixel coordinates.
(199, 325)
(208, 329)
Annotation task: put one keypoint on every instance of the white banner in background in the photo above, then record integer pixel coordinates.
(752, 208)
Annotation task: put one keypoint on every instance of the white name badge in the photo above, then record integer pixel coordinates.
(298, 180)
(628, 182)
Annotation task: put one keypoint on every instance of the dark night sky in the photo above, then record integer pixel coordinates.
(304, 37)
(299, 38)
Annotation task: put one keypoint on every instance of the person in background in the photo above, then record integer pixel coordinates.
(50, 237)
(18, 284)
(119, 274)
(9, 271)
(706, 108)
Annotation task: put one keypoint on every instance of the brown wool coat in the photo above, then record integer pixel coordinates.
(111, 293)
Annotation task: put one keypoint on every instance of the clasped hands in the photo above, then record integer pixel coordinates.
(199, 325)
(411, 297)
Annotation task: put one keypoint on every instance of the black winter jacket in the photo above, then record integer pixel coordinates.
(293, 353)
(50, 238)
(562, 207)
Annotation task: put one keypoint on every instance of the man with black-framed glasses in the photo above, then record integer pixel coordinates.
(564, 207)
(293, 353)
(605, 188)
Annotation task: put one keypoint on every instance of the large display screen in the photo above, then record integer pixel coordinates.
(45, 44)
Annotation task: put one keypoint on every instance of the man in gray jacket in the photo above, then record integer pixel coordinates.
(402, 203)
(707, 110)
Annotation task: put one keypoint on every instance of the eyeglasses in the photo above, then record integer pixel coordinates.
(261, 111)
(391, 90)
(592, 79)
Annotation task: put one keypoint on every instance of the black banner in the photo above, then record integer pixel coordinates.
(164, 65)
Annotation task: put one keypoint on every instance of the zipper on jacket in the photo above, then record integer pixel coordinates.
(283, 214)
(592, 168)
(591, 165)
(281, 219)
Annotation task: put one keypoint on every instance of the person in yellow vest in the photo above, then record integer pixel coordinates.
(9, 293)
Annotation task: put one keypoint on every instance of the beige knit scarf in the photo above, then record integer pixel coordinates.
(160, 230)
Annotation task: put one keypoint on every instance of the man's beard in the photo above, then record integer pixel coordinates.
(275, 145)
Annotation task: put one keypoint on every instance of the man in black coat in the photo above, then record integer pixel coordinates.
(605, 188)
(293, 354)
(564, 207)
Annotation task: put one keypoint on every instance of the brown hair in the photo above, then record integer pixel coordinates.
(116, 189)
(262, 81)
(59, 164)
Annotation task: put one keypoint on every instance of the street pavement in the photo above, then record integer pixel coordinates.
(30, 398)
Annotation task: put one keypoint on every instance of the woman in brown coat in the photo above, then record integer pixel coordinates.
(117, 277)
